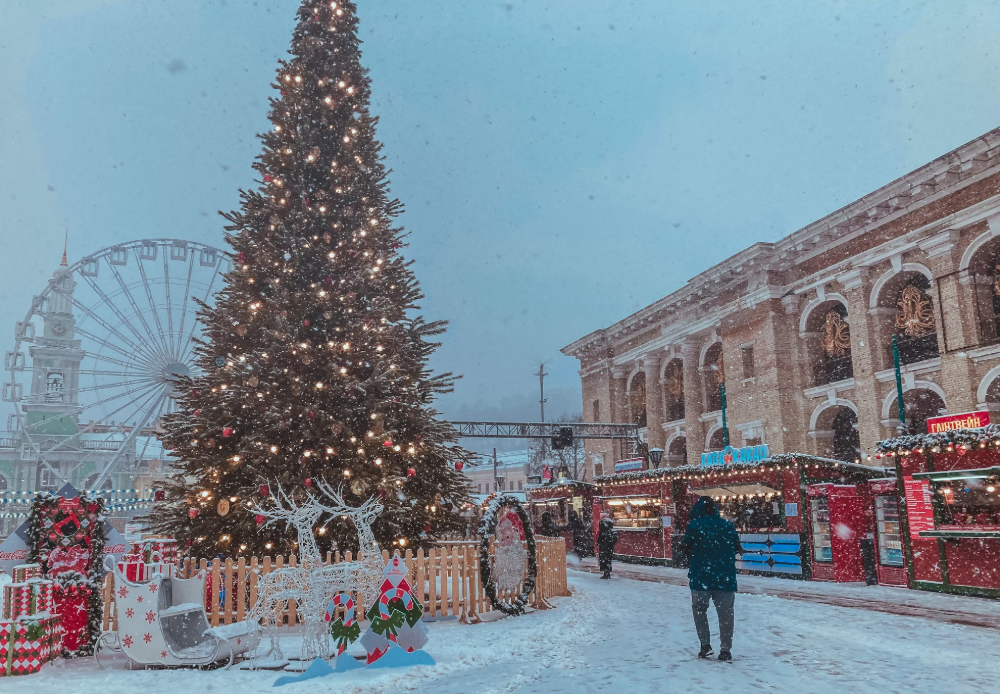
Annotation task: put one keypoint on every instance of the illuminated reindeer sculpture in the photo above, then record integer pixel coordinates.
(311, 584)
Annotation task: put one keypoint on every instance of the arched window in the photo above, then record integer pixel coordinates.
(828, 338)
(673, 388)
(983, 277)
(714, 375)
(920, 404)
(716, 443)
(54, 387)
(637, 399)
(846, 440)
(912, 319)
(677, 452)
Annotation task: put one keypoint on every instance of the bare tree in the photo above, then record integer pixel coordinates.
(572, 459)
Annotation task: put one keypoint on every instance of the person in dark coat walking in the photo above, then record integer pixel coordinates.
(583, 537)
(712, 544)
(607, 538)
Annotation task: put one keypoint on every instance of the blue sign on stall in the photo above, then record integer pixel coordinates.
(735, 456)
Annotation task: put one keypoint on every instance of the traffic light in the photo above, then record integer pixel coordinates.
(563, 440)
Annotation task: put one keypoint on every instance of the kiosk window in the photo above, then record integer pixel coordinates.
(890, 545)
(969, 501)
(819, 510)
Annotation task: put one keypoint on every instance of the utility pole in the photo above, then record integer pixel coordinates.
(903, 431)
(496, 480)
(541, 387)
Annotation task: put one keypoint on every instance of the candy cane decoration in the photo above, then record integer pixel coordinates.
(390, 595)
(344, 631)
(341, 600)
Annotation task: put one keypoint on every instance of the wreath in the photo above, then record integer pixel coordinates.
(487, 529)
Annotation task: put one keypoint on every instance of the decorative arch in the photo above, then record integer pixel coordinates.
(984, 385)
(674, 435)
(704, 350)
(710, 433)
(917, 385)
(826, 405)
(975, 247)
(628, 381)
(881, 281)
(811, 306)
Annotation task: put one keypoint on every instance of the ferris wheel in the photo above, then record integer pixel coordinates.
(96, 360)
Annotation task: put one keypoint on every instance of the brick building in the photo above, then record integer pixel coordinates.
(800, 331)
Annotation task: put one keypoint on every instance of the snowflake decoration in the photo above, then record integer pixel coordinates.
(152, 587)
(148, 637)
(130, 613)
(139, 599)
(163, 654)
(127, 641)
(150, 617)
(123, 592)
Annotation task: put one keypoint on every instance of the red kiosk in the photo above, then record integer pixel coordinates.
(799, 516)
(949, 496)
(558, 499)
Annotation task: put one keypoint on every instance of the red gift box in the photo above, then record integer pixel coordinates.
(28, 599)
(26, 644)
(165, 549)
(133, 568)
(26, 572)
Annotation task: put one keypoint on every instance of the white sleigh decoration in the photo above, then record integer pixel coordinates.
(163, 622)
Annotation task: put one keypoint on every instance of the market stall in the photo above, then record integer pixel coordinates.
(780, 505)
(557, 499)
(641, 504)
(949, 489)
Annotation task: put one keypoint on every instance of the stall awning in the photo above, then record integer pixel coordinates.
(734, 490)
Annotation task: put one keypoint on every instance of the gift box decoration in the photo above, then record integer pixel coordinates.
(156, 549)
(28, 643)
(26, 572)
(28, 599)
(133, 567)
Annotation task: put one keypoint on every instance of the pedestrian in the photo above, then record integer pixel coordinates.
(712, 544)
(583, 537)
(607, 537)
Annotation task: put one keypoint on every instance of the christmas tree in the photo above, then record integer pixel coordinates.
(312, 363)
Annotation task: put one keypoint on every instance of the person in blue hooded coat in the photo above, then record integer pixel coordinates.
(712, 543)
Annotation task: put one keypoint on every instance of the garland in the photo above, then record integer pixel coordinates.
(487, 528)
(948, 441)
(51, 523)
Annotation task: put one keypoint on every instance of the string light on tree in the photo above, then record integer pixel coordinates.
(319, 270)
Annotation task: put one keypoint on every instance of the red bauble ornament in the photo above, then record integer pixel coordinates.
(197, 413)
(227, 432)
(329, 281)
(306, 322)
(194, 392)
(308, 482)
(260, 519)
(267, 177)
(264, 490)
(427, 528)
(380, 493)
(387, 443)
(309, 202)
(187, 543)
(312, 415)
(240, 257)
(411, 472)
(459, 465)
(192, 513)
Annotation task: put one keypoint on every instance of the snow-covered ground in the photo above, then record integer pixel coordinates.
(626, 636)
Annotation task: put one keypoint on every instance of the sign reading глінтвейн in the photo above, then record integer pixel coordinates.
(735, 456)
(964, 420)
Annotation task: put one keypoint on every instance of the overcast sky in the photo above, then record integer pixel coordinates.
(562, 162)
